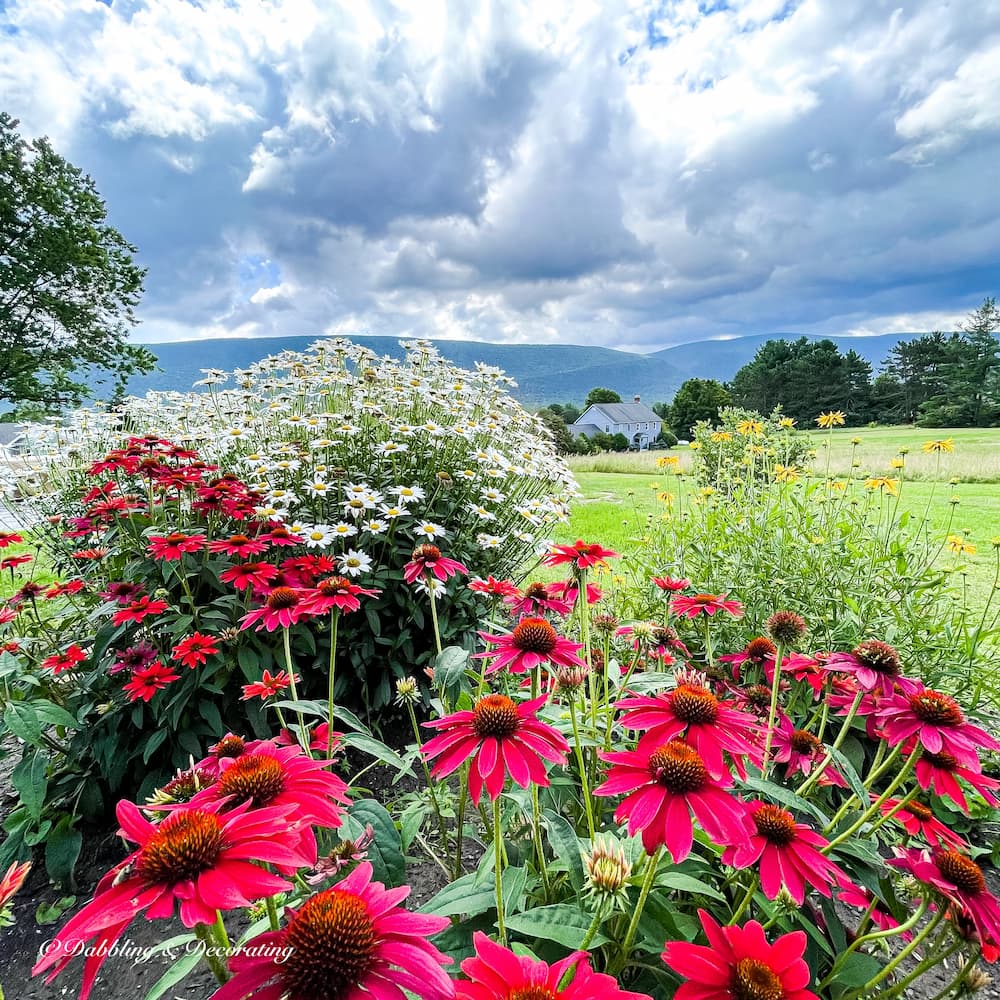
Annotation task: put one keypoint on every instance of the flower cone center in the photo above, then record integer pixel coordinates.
(879, 656)
(755, 980)
(334, 585)
(775, 824)
(238, 540)
(963, 872)
(534, 635)
(919, 810)
(332, 942)
(257, 777)
(936, 708)
(537, 592)
(760, 649)
(183, 846)
(693, 703)
(495, 715)
(230, 746)
(678, 767)
(175, 537)
(803, 742)
(281, 598)
(942, 761)
(532, 993)
(428, 553)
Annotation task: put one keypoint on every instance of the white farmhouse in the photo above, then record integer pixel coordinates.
(635, 420)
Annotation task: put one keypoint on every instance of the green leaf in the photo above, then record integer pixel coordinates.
(349, 718)
(514, 883)
(50, 913)
(563, 923)
(688, 883)
(785, 796)
(463, 897)
(62, 848)
(30, 781)
(175, 974)
(22, 720)
(858, 970)
(565, 846)
(153, 744)
(54, 715)
(386, 851)
(449, 667)
(375, 748)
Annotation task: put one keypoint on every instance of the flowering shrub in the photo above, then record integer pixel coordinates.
(658, 823)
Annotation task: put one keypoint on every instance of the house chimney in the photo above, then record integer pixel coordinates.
(635, 398)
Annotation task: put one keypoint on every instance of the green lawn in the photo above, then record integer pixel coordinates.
(615, 505)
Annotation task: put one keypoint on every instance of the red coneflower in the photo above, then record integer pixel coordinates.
(282, 608)
(9, 538)
(496, 973)
(335, 592)
(581, 554)
(90, 555)
(147, 681)
(428, 561)
(195, 649)
(499, 737)
(666, 785)
(61, 589)
(12, 562)
(938, 723)
(919, 821)
(253, 574)
(759, 652)
(533, 642)
(739, 964)
(707, 724)
(134, 657)
(669, 584)
(960, 880)
(11, 883)
(238, 545)
(494, 587)
(799, 750)
(876, 667)
(139, 610)
(268, 686)
(349, 942)
(279, 535)
(59, 662)
(705, 604)
(536, 599)
(197, 858)
(172, 547)
(939, 772)
(568, 591)
(787, 854)
(121, 592)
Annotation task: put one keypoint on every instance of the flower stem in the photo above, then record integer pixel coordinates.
(837, 743)
(647, 884)
(303, 734)
(204, 933)
(427, 775)
(902, 954)
(498, 872)
(334, 620)
(583, 770)
(536, 823)
(463, 794)
(592, 930)
(772, 712)
(744, 902)
(434, 617)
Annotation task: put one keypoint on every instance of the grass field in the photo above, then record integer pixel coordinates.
(976, 458)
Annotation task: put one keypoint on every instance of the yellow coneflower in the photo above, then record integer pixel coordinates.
(897, 463)
(695, 445)
(786, 423)
(666, 461)
(890, 486)
(835, 418)
(943, 444)
(719, 436)
(749, 427)
(836, 484)
(960, 546)
(786, 473)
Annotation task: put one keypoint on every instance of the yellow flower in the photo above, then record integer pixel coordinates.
(891, 486)
(654, 486)
(944, 444)
(787, 423)
(665, 498)
(836, 484)
(995, 541)
(719, 436)
(786, 473)
(707, 491)
(748, 427)
(960, 546)
(835, 418)
(695, 445)
(666, 461)
(897, 463)
(855, 441)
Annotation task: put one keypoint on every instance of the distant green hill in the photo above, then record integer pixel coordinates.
(545, 373)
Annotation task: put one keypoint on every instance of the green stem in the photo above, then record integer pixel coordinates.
(591, 930)
(334, 620)
(578, 750)
(930, 962)
(463, 794)
(536, 824)
(434, 614)
(772, 712)
(959, 979)
(901, 955)
(498, 872)
(272, 912)
(303, 733)
(427, 775)
(647, 884)
(837, 743)
(205, 935)
(744, 902)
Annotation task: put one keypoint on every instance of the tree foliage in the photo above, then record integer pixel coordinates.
(68, 282)
(600, 395)
(697, 399)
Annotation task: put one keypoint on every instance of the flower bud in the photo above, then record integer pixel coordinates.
(608, 870)
(786, 627)
(407, 692)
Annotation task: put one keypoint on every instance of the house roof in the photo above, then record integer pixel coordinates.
(624, 413)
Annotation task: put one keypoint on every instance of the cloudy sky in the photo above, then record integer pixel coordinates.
(618, 173)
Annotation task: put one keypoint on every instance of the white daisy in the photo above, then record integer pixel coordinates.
(318, 488)
(430, 529)
(354, 563)
(318, 536)
(343, 530)
(408, 494)
(376, 527)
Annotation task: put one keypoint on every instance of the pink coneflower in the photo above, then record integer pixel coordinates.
(666, 785)
(12, 562)
(535, 600)
(499, 737)
(335, 592)
(269, 775)
(939, 772)
(428, 561)
(346, 854)
(173, 546)
(671, 585)
(533, 642)
(787, 854)
(121, 592)
(960, 880)
(195, 858)
(349, 942)
(134, 658)
(282, 608)
(938, 723)
(581, 554)
(268, 685)
(568, 591)
(493, 587)
(739, 964)
(705, 604)
(876, 666)
(195, 649)
(496, 973)
(148, 680)
(253, 574)
(139, 610)
(801, 751)
(279, 535)
(711, 726)
(240, 546)
(67, 660)
(919, 821)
